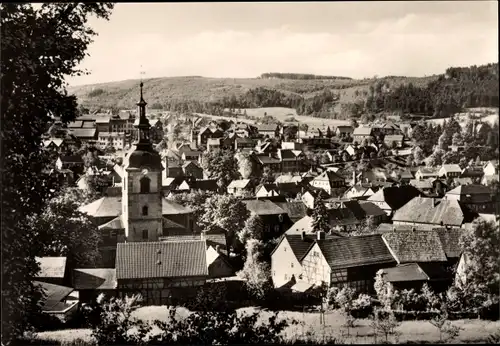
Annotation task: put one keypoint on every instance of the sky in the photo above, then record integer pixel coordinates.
(353, 39)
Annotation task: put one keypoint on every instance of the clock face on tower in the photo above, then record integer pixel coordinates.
(144, 171)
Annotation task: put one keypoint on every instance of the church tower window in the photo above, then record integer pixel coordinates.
(145, 234)
(145, 210)
(145, 185)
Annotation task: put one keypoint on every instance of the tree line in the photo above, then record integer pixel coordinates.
(299, 76)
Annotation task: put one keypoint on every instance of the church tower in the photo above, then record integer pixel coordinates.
(141, 190)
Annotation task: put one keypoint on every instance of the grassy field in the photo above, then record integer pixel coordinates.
(409, 331)
(462, 117)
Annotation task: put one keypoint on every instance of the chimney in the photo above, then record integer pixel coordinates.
(303, 235)
(321, 235)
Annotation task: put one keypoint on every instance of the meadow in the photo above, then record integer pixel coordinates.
(310, 327)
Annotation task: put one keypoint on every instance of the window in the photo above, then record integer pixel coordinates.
(145, 210)
(291, 265)
(145, 182)
(145, 234)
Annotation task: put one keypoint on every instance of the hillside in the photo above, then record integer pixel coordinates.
(331, 97)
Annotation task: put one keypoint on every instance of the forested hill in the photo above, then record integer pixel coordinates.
(299, 76)
(330, 97)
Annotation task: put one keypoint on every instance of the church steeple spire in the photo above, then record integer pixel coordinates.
(143, 142)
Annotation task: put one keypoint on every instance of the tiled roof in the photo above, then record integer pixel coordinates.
(264, 159)
(421, 184)
(116, 223)
(472, 189)
(362, 131)
(294, 209)
(462, 181)
(94, 279)
(472, 172)
(172, 208)
(266, 127)
(371, 209)
(288, 178)
(329, 176)
(405, 272)
(169, 224)
(75, 124)
(83, 133)
(345, 128)
(452, 168)
(54, 296)
(394, 196)
(430, 172)
(287, 154)
(51, 267)
(450, 239)
(205, 184)
(142, 260)
(355, 251)
(430, 211)
(298, 245)
(239, 184)
(263, 207)
(103, 207)
(415, 246)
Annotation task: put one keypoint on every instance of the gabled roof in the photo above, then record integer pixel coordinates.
(471, 189)
(205, 184)
(171, 208)
(299, 246)
(94, 279)
(429, 172)
(288, 178)
(303, 225)
(289, 154)
(430, 211)
(54, 296)
(395, 196)
(267, 127)
(265, 159)
(51, 267)
(371, 209)
(355, 251)
(329, 176)
(103, 207)
(83, 133)
(415, 246)
(141, 260)
(263, 207)
(294, 209)
(452, 168)
(472, 172)
(405, 272)
(345, 128)
(168, 224)
(117, 223)
(191, 163)
(421, 184)
(450, 239)
(267, 187)
(362, 131)
(239, 184)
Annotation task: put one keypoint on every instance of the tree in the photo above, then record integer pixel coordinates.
(480, 249)
(253, 229)
(225, 212)
(418, 155)
(256, 272)
(457, 139)
(329, 133)
(222, 166)
(195, 200)
(353, 123)
(245, 164)
(64, 231)
(320, 221)
(33, 89)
